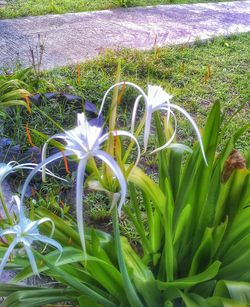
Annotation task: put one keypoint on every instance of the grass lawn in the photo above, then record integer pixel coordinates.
(40, 7)
(197, 76)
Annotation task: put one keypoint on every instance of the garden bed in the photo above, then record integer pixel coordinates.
(186, 218)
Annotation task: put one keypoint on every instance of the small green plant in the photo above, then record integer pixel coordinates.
(123, 3)
(12, 89)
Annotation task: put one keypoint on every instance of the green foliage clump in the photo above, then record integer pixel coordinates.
(194, 240)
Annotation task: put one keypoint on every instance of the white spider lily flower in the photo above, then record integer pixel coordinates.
(85, 141)
(157, 96)
(157, 100)
(13, 166)
(26, 232)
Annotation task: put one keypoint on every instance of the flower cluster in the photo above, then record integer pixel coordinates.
(25, 231)
(85, 142)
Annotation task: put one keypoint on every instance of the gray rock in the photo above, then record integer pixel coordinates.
(7, 194)
(76, 37)
(2, 3)
(7, 276)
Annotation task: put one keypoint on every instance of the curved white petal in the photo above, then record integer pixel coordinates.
(51, 242)
(23, 165)
(115, 198)
(119, 84)
(45, 220)
(31, 258)
(34, 171)
(28, 226)
(123, 133)
(134, 113)
(157, 96)
(33, 225)
(103, 138)
(170, 139)
(79, 201)
(130, 135)
(7, 255)
(48, 172)
(84, 138)
(147, 127)
(18, 202)
(7, 232)
(117, 172)
(44, 150)
(185, 113)
(5, 170)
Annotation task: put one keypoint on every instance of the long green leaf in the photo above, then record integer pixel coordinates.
(191, 281)
(142, 276)
(75, 284)
(38, 297)
(238, 291)
(128, 286)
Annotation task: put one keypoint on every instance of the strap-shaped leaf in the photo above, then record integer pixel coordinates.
(191, 281)
(238, 291)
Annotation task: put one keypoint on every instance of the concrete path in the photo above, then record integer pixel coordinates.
(75, 37)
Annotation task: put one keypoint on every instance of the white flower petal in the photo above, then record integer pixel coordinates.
(7, 255)
(79, 201)
(5, 170)
(157, 96)
(31, 258)
(170, 139)
(33, 225)
(123, 133)
(44, 150)
(134, 113)
(84, 138)
(130, 135)
(119, 84)
(7, 232)
(51, 242)
(149, 112)
(186, 114)
(33, 173)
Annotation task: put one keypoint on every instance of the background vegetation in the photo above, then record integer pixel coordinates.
(197, 76)
(39, 7)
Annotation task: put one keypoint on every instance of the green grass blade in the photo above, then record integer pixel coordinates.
(38, 297)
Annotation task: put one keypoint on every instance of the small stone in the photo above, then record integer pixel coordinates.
(69, 88)
(7, 194)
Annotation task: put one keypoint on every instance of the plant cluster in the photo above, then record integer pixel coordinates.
(12, 88)
(193, 223)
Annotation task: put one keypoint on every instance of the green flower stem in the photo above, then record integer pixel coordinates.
(5, 208)
(128, 286)
(112, 126)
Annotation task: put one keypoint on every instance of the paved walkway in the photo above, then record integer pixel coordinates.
(75, 37)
